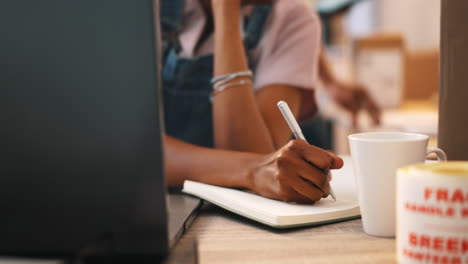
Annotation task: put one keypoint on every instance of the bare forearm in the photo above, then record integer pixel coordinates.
(280, 175)
(325, 71)
(228, 40)
(184, 161)
(238, 123)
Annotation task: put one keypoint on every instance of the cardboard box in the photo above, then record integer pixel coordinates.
(392, 73)
(379, 66)
(421, 75)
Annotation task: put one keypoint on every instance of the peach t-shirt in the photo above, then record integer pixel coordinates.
(287, 52)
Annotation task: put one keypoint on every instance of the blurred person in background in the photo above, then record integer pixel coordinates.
(350, 96)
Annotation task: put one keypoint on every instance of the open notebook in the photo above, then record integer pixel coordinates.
(280, 214)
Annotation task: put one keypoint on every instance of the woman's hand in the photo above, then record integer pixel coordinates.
(354, 98)
(298, 172)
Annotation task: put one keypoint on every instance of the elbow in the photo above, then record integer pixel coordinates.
(308, 106)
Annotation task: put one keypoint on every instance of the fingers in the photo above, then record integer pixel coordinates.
(354, 119)
(289, 195)
(298, 172)
(375, 113)
(370, 106)
(317, 157)
(305, 171)
(307, 180)
(359, 98)
(373, 110)
(311, 179)
(337, 161)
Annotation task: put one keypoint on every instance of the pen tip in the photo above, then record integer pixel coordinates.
(280, 103)
(332, 194)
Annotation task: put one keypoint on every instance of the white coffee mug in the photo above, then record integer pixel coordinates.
(376, 157)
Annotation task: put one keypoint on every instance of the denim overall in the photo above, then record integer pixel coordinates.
(187, 88)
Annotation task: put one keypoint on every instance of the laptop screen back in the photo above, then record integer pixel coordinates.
(80, 139)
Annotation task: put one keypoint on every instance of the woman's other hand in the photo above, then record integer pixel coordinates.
(354, 98)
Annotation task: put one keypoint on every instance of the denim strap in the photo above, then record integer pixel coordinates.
(171, 14)
(254, 26)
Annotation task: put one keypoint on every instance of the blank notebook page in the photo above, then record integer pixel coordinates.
(277, 213)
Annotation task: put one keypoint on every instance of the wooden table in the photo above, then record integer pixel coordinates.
(222, 237)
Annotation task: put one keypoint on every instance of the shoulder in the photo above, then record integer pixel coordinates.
(291, 37)
(293, 11)
(291, 18)
(290, 22)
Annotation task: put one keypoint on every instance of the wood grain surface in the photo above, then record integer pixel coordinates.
(223, 237)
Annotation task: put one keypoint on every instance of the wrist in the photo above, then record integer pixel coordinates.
(222, 7)
(226, 2)
(334, 87)
(249, 171)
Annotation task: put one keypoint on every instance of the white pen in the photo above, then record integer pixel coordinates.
(295, 128)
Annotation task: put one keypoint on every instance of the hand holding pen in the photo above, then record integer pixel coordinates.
(296, 130)
(297, 172)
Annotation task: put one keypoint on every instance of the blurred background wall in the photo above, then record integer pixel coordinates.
(418, 20)
(392, 48)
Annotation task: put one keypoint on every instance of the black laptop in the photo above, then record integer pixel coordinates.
(81, 130)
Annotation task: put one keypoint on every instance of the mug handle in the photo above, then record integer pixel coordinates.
(441, 156)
